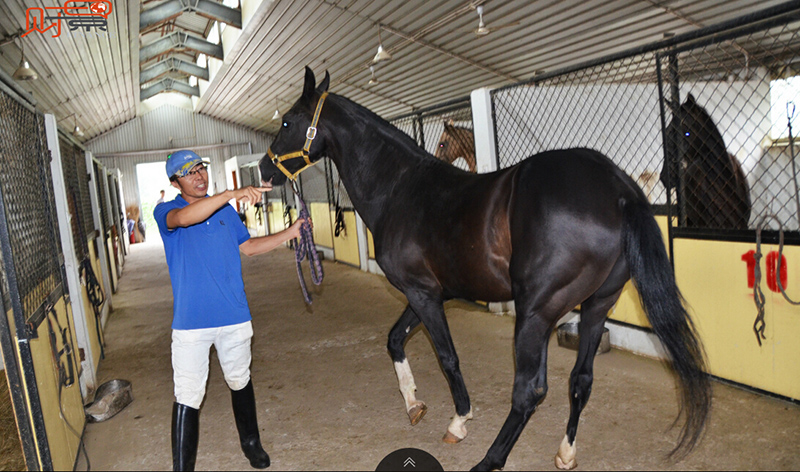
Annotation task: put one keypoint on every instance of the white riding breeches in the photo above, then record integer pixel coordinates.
(190, 349)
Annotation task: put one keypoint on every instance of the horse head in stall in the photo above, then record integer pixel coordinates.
(455, 142)
(558, 229)
(710, 180)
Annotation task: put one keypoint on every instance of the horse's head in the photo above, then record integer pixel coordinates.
(455, 142)
(301, 139)
(447, 147)
(691, 135)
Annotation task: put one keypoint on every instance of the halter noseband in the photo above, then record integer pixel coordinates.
(311, 133)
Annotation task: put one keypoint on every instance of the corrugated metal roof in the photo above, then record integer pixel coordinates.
(436, 55)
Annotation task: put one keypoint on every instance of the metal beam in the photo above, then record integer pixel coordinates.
(173, 8)
(172, 64)
(179, 40)
(219, 12)
(160, 13)
(168, 85)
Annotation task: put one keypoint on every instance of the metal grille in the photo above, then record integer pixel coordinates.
(727, 121)
(338, 193)
(87, 214)
(248, 175)
(313, 183)
(446, 131)
(26, 185)
(720, 89)
(115, 207)
(100, 184)
(73, 195)
(612, 107)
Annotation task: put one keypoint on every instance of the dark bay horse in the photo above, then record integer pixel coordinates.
(715, 190)
(559, 229)
(455, 142)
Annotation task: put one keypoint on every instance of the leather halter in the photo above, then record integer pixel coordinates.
(311, 133)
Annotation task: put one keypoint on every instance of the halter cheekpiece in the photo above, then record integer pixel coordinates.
(311, 133)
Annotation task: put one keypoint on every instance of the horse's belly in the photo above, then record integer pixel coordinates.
(479, 281)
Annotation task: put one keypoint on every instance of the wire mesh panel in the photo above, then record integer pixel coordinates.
(26, 185)
(72, 187)
(101, 183)
(248, 176)
(446, 131)
(731, 103)
(612, 107)
(313, 183)
(83, 190)
(338, 193)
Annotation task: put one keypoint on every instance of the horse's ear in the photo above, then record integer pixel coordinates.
(449, 123)
(690, 99)
(310, 83)
(326, 82)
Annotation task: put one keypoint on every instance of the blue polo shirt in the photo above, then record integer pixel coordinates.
(205, 268)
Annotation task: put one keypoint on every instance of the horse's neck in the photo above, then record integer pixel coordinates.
(373, 158)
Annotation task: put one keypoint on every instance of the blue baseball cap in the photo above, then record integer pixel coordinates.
(181, 162)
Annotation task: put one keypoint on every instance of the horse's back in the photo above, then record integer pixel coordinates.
(568, 212)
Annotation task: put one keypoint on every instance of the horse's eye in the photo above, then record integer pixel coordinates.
(688, 134)
(285, 124)
(441, 145)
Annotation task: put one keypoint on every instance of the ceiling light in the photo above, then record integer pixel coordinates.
(277, 115)
(76, 131)
(25, 71)
(382, 54)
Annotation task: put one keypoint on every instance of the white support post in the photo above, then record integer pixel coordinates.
(483, 127)
(363, 243)
(486, 156)
(88, 379)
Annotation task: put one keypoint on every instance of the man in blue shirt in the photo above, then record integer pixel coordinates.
(202, 237)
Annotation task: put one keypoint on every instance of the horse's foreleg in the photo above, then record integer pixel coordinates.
(431, 312)
(590, 329)
(397, 337)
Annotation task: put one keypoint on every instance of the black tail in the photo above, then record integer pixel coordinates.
(662, 301)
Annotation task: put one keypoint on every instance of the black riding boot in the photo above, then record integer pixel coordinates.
(244, 410)
(185, 433)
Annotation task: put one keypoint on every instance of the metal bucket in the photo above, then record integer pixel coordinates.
(110, 398)
(568, 337)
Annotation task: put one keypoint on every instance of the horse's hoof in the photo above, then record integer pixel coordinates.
(565, 458)
(416, 413)
(451, 438)
(568, 466)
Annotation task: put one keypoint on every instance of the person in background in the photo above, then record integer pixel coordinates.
(161, 198)
(203, 237)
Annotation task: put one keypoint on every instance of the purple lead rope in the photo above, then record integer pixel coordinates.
(306, 248)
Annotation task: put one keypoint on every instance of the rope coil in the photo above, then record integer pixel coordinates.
(305, 248)
(760, 300)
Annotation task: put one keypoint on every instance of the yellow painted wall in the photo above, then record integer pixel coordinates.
(252, 221)
(345, 247)
(275, 217)
(371, 244)
(321, 216)
(94, 341)
(628, 309)
(112, 264)
(63, 443)
(713, 279)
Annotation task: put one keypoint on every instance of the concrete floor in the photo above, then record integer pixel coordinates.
(328, 398)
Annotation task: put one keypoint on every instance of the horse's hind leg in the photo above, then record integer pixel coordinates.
(397, 337)
(590, 329)
(531, 335)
